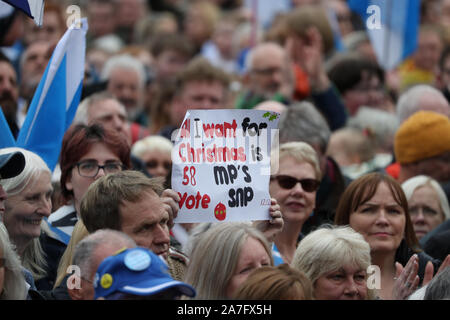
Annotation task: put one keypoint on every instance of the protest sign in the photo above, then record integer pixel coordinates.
(221, 165)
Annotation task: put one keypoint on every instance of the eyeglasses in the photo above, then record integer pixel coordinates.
(288, 182)
(152, 164)
(2, 262)
(267, 71)
(90, 169)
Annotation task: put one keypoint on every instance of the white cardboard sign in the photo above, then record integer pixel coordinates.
(221, 165)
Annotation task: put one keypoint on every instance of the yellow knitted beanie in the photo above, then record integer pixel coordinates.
(423, 135)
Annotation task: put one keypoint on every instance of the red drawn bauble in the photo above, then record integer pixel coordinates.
(220, 211)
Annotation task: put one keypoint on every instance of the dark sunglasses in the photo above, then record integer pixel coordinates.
(288, 182)
(153, 164)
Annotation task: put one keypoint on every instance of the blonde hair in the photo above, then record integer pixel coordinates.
(79, 233)
(328, 249)
(215, 256)
(14, 286)
(300, 151)
(151, 143)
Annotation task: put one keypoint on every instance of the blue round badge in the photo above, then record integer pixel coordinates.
(137, 260)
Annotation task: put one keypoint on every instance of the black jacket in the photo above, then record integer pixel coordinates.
(330, 190)
(404, 253)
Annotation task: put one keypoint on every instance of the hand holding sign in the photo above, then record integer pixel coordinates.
(170, 198)
(271, 228)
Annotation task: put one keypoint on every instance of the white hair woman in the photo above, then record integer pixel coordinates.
(294, 182)
(336, 260)
(427, 203)
(28, 203)
(12, 281)
(155, 152)
(223, 257)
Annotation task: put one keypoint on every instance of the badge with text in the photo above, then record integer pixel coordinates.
(221, 164)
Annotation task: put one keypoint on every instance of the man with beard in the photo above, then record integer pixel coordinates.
(9, 93)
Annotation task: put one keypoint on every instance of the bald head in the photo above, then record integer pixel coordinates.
(88, 255)
(266, 65)
(263, 52)
(97, 246)
(272, 106)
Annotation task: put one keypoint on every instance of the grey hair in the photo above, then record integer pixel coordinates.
(408, 102)
(124, 61)
(34, 166)
(439, 287)
(303, 122)
(85, 252)
(79, 233)
(81, 116)
(33, 257)
(14, 286)
(418, 294)
(381, 123)
(328, 249)
(215, 256)
(410, 185)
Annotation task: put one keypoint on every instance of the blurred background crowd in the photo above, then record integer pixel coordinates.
(148, 62)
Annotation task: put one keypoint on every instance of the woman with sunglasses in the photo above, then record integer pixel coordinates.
(293, 183)
(88, 153)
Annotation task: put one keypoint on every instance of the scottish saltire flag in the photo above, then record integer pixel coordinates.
(56, 99)
(392, 26)
(6, 137)
(32, 8)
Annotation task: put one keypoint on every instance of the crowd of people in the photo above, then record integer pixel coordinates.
(359, 185)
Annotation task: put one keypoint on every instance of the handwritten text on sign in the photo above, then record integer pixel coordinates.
(221, 165)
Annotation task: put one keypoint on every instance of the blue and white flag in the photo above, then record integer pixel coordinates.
(392, 26)
(32, 8)
(56, 99)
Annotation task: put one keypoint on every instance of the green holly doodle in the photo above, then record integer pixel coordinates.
(272, 116)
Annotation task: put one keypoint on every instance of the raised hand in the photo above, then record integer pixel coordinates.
(429, 270)
(407, 279)
(307, 53)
